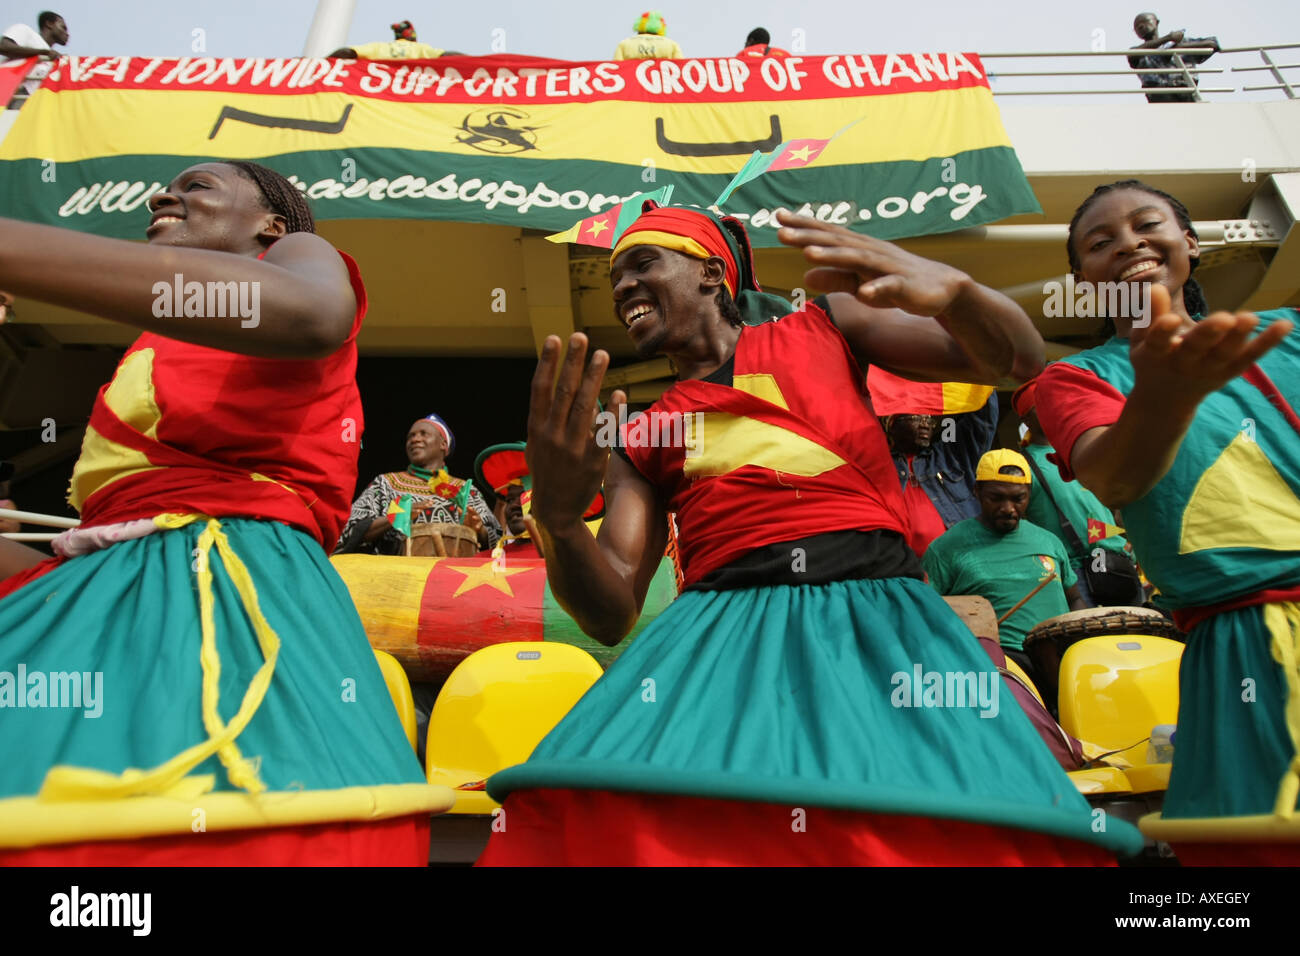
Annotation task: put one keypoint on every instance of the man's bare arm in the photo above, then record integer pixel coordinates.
(911, 315)
(602, 581)
(601, 584)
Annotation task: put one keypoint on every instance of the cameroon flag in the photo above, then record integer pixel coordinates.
(891, 145)
(1100, 530)
(893, 395)
(399, 514)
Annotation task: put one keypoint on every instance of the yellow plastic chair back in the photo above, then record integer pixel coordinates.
(1024, 678)
(399, 688)
(496, 707)
(1114, 690)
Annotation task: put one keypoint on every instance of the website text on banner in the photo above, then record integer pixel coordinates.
(525, 141)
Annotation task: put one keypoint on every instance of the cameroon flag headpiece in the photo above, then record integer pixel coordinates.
(699, 233)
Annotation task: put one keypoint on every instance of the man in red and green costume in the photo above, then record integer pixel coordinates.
(763, 718)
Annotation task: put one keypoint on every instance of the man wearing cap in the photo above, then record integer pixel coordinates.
(1076, 516)
(1002, 557)
(766, 684)
(432, 491)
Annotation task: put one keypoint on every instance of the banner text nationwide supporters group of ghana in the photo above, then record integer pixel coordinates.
(524, 141)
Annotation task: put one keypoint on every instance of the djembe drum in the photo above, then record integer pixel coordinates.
(1047, 643)
(443, 539)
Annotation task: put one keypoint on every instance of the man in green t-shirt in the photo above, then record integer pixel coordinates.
(1081, 508)
(1003, 557)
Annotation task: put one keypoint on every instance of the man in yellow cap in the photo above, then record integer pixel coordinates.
(1003, 558)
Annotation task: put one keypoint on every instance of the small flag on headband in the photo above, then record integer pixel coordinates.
(604, 229)
(792, 154)
(1100, 531)
(399, 514)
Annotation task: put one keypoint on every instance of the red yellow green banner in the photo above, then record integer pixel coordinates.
(524, 141)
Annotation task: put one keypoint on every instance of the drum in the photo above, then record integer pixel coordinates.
(1047, 643)
(432, 614)
(442, 539)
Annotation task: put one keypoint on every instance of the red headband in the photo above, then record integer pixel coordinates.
(686, 224)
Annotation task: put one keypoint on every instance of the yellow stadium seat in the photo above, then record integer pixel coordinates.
(399, 688)
(1114, 690)
(496, 707)
(1019, 671)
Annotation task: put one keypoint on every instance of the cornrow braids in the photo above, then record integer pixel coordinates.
(279, 195)
(727, 306)
(1193, 295)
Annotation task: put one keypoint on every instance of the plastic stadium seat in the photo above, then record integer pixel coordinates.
(1114, 690)
(496, 707)
(399, 688)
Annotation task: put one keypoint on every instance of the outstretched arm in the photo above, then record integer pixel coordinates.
(913, 316)
(303, 303)
(16, 51)
(601, 582)
(1174, 369)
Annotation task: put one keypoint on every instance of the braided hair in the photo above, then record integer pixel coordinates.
(1193, 296)
(278, 195)
(730, 311)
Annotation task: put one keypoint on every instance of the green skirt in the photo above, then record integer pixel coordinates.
(865, 695)
(1235, 747)
(121, 627)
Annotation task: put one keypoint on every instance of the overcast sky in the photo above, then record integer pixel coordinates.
(590, 29)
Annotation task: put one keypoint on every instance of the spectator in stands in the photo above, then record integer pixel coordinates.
(21, 41)
(7, 525)
(1107, 577)
(429, 443)
(1003, 557)
(1147, 27)
(404, 46)
(758, 44)
(938, 478)
(649, 42)
(6, 307)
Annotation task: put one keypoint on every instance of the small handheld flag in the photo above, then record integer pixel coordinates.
(1100, 530)
(792, 154)
(461, 501)
(894, 395)
(604, 229)
(399, 514)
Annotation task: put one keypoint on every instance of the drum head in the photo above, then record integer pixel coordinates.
(1100, 621)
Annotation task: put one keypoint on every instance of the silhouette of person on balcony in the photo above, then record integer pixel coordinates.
(1147, 27)
(404, 46)
(759, 44)
(650, 42)
(21, 41)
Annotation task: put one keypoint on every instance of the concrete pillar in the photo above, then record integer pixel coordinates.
(329, 27)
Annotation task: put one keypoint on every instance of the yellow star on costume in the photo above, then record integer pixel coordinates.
(801, 154)
(480, 574)
(599, 226)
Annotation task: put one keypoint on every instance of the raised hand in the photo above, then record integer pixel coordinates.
(566, 463)
(878, 273)
(1172, 359)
